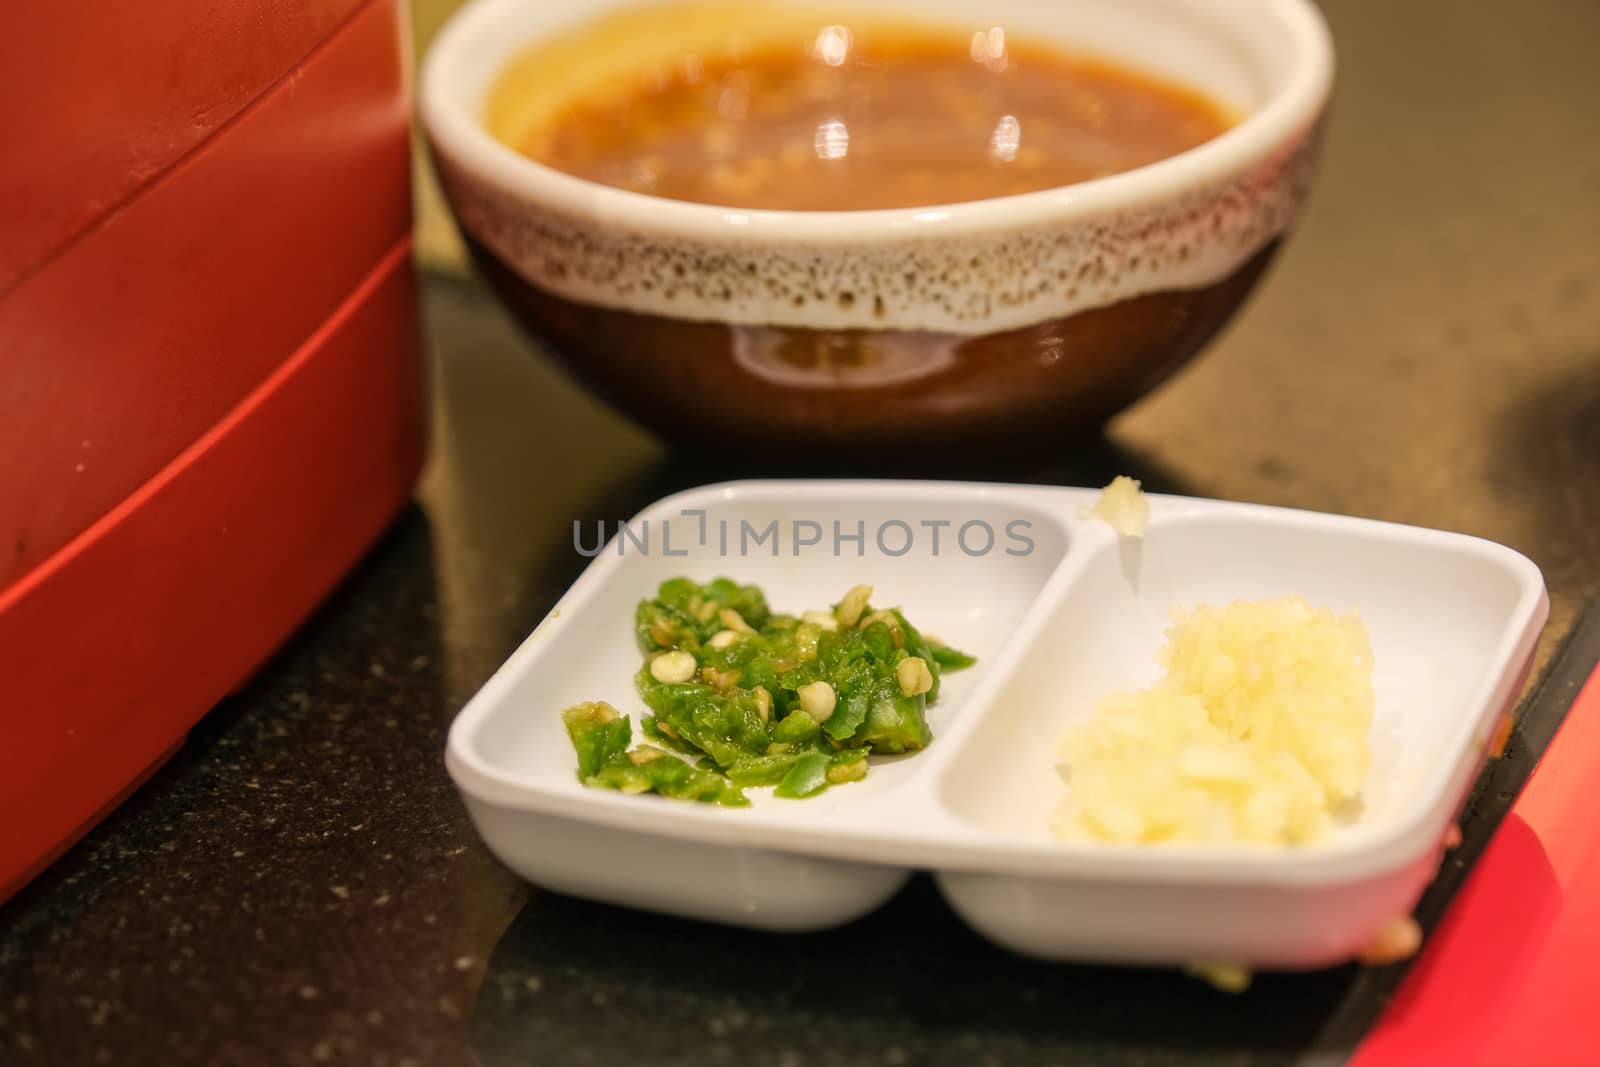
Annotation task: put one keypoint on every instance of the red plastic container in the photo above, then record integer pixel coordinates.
(210, 401)
(101, 98)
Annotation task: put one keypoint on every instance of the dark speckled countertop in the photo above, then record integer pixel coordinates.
(300, 884)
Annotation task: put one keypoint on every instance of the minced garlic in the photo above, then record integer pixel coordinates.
(1256, 735)
(1123, 506)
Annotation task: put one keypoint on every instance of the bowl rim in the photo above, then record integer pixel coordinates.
(455, 129)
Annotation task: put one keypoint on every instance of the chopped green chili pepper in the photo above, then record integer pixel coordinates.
(807, 778)
(949, 659)
(598, 732)
(754, 698)
(763, 770)
(848, 766)
(650, 770)
(895, 723)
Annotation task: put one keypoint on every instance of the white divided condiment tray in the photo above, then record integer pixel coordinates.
(1055, 626)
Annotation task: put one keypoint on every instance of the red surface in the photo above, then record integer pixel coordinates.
(125, 348)
(111, 650)
(101, 96)
(1509, 974)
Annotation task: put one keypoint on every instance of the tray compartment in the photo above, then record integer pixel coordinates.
(511, 757)
(1453, 622)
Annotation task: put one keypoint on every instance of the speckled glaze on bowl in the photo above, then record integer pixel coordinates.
(1012, 319)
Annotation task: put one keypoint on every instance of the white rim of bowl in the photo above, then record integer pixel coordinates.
(455, 125)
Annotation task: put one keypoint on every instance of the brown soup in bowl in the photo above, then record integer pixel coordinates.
(884, 115)
(967, 224)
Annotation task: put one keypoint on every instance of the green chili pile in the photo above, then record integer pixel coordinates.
(741, 696)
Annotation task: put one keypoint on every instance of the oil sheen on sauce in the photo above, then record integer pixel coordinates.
(776, 109)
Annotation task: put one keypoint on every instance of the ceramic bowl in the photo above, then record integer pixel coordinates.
(963, 325)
